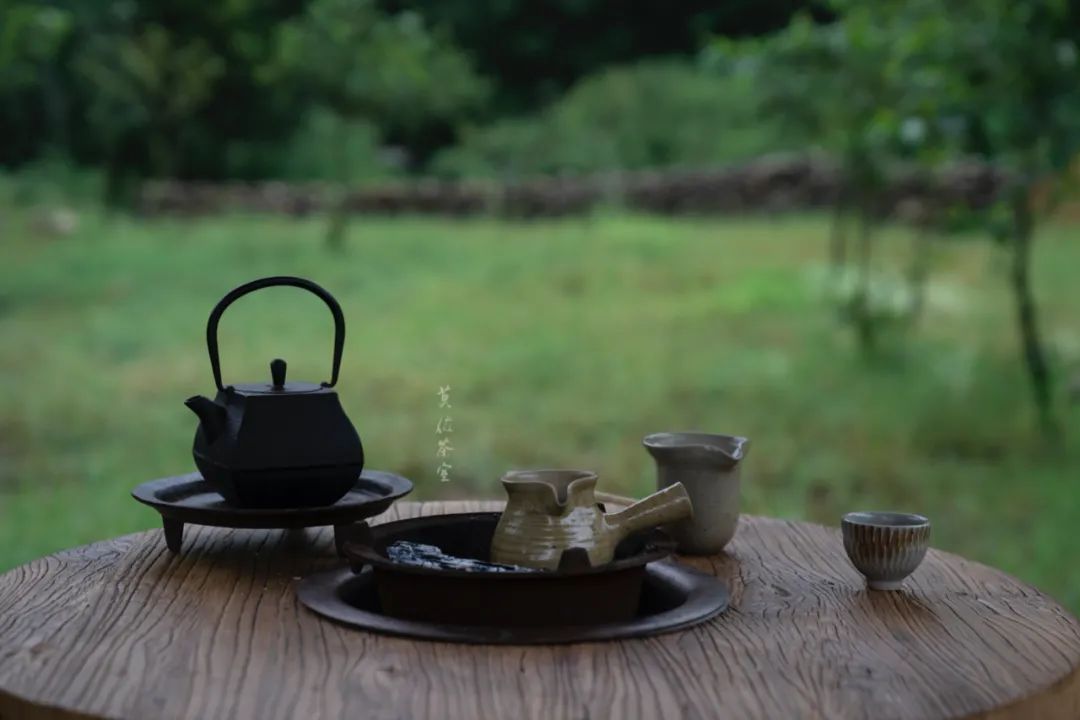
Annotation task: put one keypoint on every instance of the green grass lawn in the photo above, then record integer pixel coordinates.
(563, 344)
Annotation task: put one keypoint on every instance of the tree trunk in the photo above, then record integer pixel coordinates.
(54, 100)
(339, 212)
(161, 149)
(918, 271)
(339, 220)
(862, 313)
(838, 234)
(114, 182)
(1026, 313)
(120, 182)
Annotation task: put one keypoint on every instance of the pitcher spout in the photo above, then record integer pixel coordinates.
(724, 451)
(556, 491)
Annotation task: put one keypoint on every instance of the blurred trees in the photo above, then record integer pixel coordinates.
(851, 88)
(191, 90)
(31, 100)
(651, 114)
(144, 88)
(1019, 96)
(364, 66)
(147, 89)
(827, 86)
(536, 50)
(92, 80)
(922, 81)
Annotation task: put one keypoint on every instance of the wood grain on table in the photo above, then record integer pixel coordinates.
(124, 628)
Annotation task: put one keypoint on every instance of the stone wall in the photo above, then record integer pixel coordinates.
(766, 185)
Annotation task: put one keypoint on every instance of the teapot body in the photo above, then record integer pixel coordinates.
(299, 450)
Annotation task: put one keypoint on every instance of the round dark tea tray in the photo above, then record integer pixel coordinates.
(673, 597)
(575, 593)
(190, 499)
(448, 594)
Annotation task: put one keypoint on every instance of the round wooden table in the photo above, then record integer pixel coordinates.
(124, 628)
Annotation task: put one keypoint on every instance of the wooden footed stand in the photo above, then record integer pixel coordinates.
(124, 628)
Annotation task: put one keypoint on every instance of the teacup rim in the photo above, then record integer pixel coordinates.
(886, 519)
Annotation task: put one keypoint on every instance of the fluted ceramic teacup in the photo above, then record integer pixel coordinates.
(885, 547)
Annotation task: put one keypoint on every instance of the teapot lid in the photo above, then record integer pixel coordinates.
(277, 384)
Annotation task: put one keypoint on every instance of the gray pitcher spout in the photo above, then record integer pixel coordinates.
(211, 416)
(705, 448)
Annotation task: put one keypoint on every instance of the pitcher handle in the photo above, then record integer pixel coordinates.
(286, 280)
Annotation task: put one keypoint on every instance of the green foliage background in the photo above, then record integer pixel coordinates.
(177, 88)
(652, 114)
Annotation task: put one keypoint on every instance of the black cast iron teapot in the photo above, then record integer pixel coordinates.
(276, 444)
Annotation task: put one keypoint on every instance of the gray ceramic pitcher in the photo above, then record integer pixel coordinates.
(708, 466)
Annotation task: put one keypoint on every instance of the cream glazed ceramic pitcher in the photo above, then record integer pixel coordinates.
(709, 467)
(549, 511)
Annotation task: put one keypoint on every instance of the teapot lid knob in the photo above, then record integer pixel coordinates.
(277, 373)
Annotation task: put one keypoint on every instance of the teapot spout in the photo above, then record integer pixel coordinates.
(211, 416)
(662, 507)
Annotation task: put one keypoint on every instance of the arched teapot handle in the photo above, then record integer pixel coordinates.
(287, 280)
